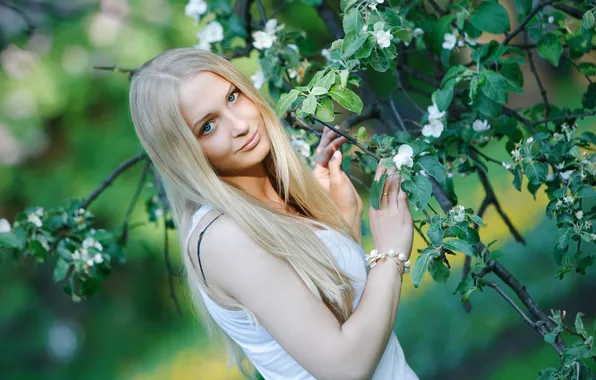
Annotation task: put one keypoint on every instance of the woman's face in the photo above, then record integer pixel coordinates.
(223, 120)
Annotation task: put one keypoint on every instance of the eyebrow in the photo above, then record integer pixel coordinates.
(232, 87)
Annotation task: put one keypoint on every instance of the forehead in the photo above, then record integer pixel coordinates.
(199, 92)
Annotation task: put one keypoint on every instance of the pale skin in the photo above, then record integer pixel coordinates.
(238, 270)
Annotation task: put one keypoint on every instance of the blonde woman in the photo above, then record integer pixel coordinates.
(272, 251)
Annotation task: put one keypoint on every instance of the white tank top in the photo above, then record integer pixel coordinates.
(268, 357)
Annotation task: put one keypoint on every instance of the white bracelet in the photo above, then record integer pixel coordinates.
(375, 256)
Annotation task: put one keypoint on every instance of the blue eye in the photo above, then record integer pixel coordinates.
(203, 129)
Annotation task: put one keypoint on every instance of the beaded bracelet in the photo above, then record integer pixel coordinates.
(375, 256)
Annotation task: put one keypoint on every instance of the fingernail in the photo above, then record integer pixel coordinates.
(336, 155)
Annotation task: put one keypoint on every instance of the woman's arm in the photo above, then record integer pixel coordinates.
(298, 321)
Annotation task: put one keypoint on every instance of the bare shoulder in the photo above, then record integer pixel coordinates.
(225, 250)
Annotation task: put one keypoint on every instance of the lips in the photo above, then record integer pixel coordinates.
(254, 135)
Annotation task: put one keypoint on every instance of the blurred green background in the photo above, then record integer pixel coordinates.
(64, 126)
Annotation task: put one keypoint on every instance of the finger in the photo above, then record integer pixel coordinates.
(380, 171)
(387, 188)
(328, 135)
(335, 172)
(395, 190)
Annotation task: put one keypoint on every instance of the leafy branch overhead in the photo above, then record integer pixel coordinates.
(464, 59)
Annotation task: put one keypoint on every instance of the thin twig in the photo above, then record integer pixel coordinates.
(538, 81)
(521, 26)
(124, 235)
(108, 181)
(164, 200)
(492, 284)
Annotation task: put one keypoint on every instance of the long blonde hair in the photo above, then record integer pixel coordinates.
(190, 181)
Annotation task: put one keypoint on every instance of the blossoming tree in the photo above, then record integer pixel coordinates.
(467, 90)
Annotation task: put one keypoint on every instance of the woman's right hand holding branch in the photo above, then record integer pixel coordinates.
(391, 225)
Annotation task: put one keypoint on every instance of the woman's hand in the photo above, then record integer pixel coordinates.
(335, 181)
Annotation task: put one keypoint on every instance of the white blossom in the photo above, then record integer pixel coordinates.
(417, 32)
(4, 225)
(469, 40)
(383, 38)
(212, 32)
(292, 73)
(551, 19)
(39, 211)
(458, 213)
(530, 140)
(434, 128)
(263, 40)
(76, 255)
(480, 125)
(301, 146)
(579, 214)
(506, 165)
(195, 8)
(566, 174)
(90, 242)
(450, 40)
(434, 113)
(271, 26)
(372, 6)
(380, 1)
(98, 258)
(258, 79)
(325, 53)
(516, 154)
(158, 212)
(593, 237)
(33, 218)
(404, 156)
(568, 199)
(43, 241)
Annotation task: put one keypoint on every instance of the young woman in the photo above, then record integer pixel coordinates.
(272, 250)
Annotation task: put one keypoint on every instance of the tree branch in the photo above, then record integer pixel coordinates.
(108, 181)
(521, 26)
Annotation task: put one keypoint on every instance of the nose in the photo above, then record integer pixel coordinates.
(237, 123)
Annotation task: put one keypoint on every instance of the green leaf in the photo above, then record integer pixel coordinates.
(536, 172)
(490, 17)
(476, 219)
(438, 270)
(366, 48)
(442, 98)
(352, 42)
(312, 3)
(325, 110)
(513, 77)
(586, 191)
(8, 240)
(61, 269)
(494, 255)
(589, 98)
(310, 104)
(376, 190)
(327, 81)
(517, 178)
(421, 265)
(462, 246)
(432, 166)
(346, 4)
(435, 233)
(523, 6)
(347, 99)
(579, 325)
(353, 21)
(564, 237)
(587, 68)
(588, 20)
(286, 100)
(418, 189)
(318, 90)
(550, 48)
(495, 87)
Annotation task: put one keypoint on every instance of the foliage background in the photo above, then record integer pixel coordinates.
(65, 126)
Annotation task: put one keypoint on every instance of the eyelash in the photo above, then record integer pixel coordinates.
(236, 91)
